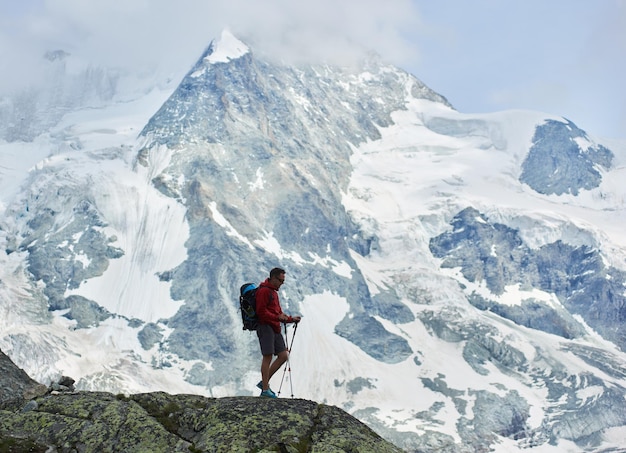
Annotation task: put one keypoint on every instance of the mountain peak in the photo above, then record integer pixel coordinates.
(226, 48)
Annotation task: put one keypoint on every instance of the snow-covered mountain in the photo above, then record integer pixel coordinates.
(460, 276)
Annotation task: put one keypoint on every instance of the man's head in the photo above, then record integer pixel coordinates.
(277, 277)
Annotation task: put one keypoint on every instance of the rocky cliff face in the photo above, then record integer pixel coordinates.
(562, 160)
(16, 387)
(159, 422)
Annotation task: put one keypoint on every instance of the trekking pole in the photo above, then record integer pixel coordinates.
(288, 363)
(293, 336)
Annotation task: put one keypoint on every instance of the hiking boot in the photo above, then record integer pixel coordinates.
(268, 394)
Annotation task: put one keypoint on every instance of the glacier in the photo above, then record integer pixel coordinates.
(460, 276)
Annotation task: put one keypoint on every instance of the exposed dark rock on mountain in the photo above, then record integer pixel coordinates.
(578, 276)
(562, 160)
(16, 386)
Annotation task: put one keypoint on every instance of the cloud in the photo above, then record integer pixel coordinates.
(332, 30)
(170, 35)
(563, 56)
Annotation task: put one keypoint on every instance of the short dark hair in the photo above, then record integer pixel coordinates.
(276, 272)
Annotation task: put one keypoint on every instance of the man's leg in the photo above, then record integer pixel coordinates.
(269, 368)
(266, 371)
(276, 364)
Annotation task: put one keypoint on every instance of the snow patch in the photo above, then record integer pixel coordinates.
(271, 244)
(230, 230)
(227, 48)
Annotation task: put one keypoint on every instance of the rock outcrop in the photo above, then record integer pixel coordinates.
(70, 421)
(16, 387)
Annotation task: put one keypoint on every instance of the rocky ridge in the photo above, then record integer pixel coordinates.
(37, 418)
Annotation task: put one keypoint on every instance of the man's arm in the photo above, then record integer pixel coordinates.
(261, 304)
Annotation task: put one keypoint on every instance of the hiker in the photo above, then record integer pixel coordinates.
(270, 316)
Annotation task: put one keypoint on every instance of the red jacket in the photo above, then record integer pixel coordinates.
(268, 306)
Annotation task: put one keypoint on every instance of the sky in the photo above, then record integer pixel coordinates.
(563, 57)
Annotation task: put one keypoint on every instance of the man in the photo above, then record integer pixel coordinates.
(270, 316)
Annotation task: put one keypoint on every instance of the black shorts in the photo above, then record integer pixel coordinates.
(271, 343)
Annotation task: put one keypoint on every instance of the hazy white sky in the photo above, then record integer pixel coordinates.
(564, 57)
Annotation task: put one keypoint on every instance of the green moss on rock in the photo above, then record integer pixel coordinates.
(160, 422)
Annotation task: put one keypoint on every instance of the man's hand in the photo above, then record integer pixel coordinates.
(284, 318)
